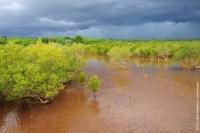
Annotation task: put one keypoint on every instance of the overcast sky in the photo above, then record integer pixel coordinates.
(101, 18)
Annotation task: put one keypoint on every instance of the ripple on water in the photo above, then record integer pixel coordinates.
(11, 122)
(127, 102)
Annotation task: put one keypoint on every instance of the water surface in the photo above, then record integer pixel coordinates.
(128, 102)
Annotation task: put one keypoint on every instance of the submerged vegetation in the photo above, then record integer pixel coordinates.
(33, 68)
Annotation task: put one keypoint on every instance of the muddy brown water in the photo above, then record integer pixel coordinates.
(127, 102)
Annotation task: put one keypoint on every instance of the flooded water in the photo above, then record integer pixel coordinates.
(163, 101)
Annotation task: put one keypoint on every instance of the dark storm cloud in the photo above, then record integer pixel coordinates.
(50, 17)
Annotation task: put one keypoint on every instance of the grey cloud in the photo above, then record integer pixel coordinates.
(148, 30)
(43, 17)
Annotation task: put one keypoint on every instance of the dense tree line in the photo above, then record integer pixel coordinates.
(160, 48)
(185, 52)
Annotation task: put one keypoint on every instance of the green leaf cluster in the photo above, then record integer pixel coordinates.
(119, 53)
(93, 84)
(82, 78)
(38, 70)
(188, 55)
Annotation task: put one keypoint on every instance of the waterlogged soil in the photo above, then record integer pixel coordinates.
(164, 101)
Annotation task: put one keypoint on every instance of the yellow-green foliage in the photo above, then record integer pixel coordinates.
(82, 78)
(78, 48)
(119, 54)
(93, 84)
(188, 55)
(36, 70)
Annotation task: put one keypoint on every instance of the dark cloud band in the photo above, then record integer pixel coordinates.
(25, 18)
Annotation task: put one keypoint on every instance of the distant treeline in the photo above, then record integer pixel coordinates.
(79, 39)
(184, 51)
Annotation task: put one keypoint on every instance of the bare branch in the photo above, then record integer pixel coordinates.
(46, 101)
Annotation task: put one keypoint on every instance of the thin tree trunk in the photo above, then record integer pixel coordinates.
(122, 66)
(82, 86)
(46, 101)
(166, 59)
(145, 74)
(2, 96)
(184, 65)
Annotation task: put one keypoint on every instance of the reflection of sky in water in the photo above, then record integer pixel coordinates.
(93, 62)
(10, 122)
